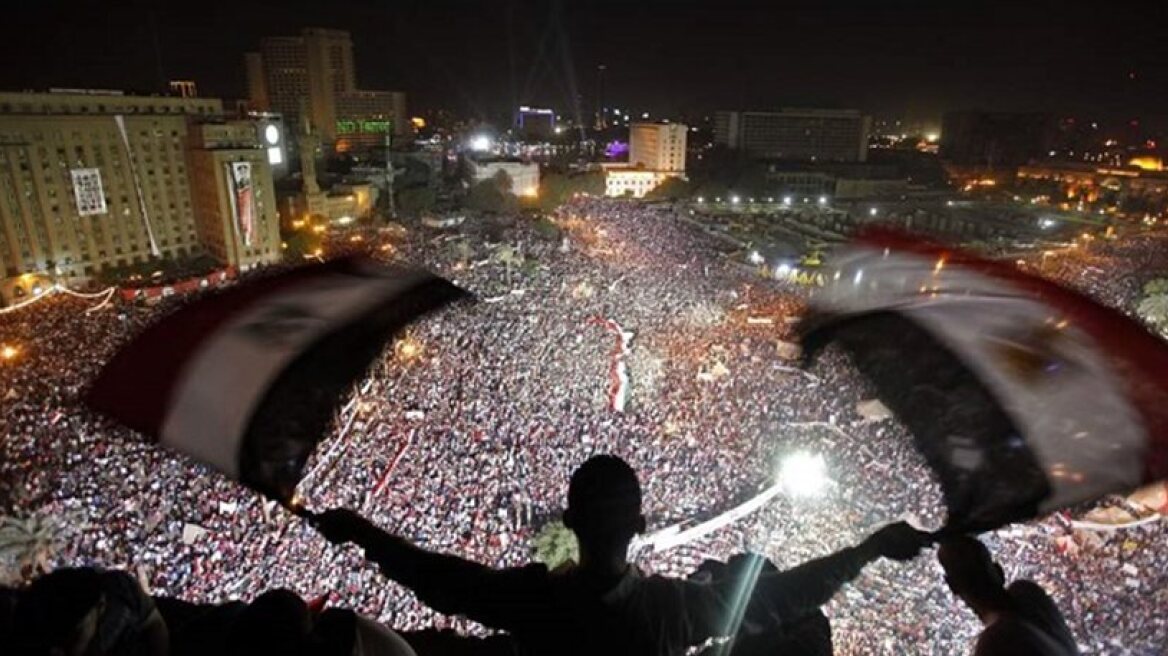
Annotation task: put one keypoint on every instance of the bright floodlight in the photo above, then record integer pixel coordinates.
(755, 257)
(823, 200)
(480, 143)
(872, 211)
(786, 200)
(735, 199)
(803, 475)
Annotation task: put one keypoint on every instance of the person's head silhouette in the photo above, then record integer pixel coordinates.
(604, 510)
(970, 571)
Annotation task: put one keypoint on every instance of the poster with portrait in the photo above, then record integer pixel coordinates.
(242, 195)
(88, 192)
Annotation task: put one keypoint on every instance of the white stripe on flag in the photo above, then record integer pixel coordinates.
(1082, 429)
(249, 352)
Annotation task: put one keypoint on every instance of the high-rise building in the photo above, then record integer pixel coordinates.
(535, 122)
(313, 77)
(656, 153)
(96, 179)
(657, 146)
(996, 139)
(832, 135)
(234, 197)
(366, 118)
(601, 118)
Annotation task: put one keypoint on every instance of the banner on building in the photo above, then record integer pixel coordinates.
(242, 199)
(88, 191)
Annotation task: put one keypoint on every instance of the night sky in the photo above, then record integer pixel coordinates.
(910, 59)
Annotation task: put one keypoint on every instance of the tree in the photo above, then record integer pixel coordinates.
(1154, 308)
(669, 189)
(555, 545)
(486, 196)
(26, 546)
(503, 181)
(415, 201)
(463, 251)
(555, 189)
(414, 173)
(1156, 287)
(509, 258)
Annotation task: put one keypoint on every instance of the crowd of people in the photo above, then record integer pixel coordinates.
(463, 435)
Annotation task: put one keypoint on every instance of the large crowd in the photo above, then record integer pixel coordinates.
(464, 433)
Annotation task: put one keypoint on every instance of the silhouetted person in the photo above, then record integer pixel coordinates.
(89, 612)
(602, 605)
(807, 635)
(1020, 619)
(276, 623)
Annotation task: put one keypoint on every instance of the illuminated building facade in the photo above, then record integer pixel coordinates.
(658, 146)
(623, 181)
(312, 77)
(1132, 190)
(816, 135)
(91, 180)
(656, 153)
(234, 197)
(365, 118)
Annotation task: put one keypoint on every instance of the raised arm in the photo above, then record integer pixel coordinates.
(763, 596)
(446, 583)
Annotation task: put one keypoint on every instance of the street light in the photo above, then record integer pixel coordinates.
(823, 200)
(480, 143)
(735, 199)
(803, 475)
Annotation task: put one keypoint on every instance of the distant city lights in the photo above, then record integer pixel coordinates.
(803, 475)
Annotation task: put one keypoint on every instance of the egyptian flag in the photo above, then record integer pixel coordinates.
(248, 380)
(1023, 396)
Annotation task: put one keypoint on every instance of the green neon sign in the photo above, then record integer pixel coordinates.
(363, 126)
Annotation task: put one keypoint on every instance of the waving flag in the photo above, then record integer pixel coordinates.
(248, 380)
(1023, 396)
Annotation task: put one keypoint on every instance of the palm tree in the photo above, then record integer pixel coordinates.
(555, 544)
(1154, 310)
(509, 258)
(26, 545)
